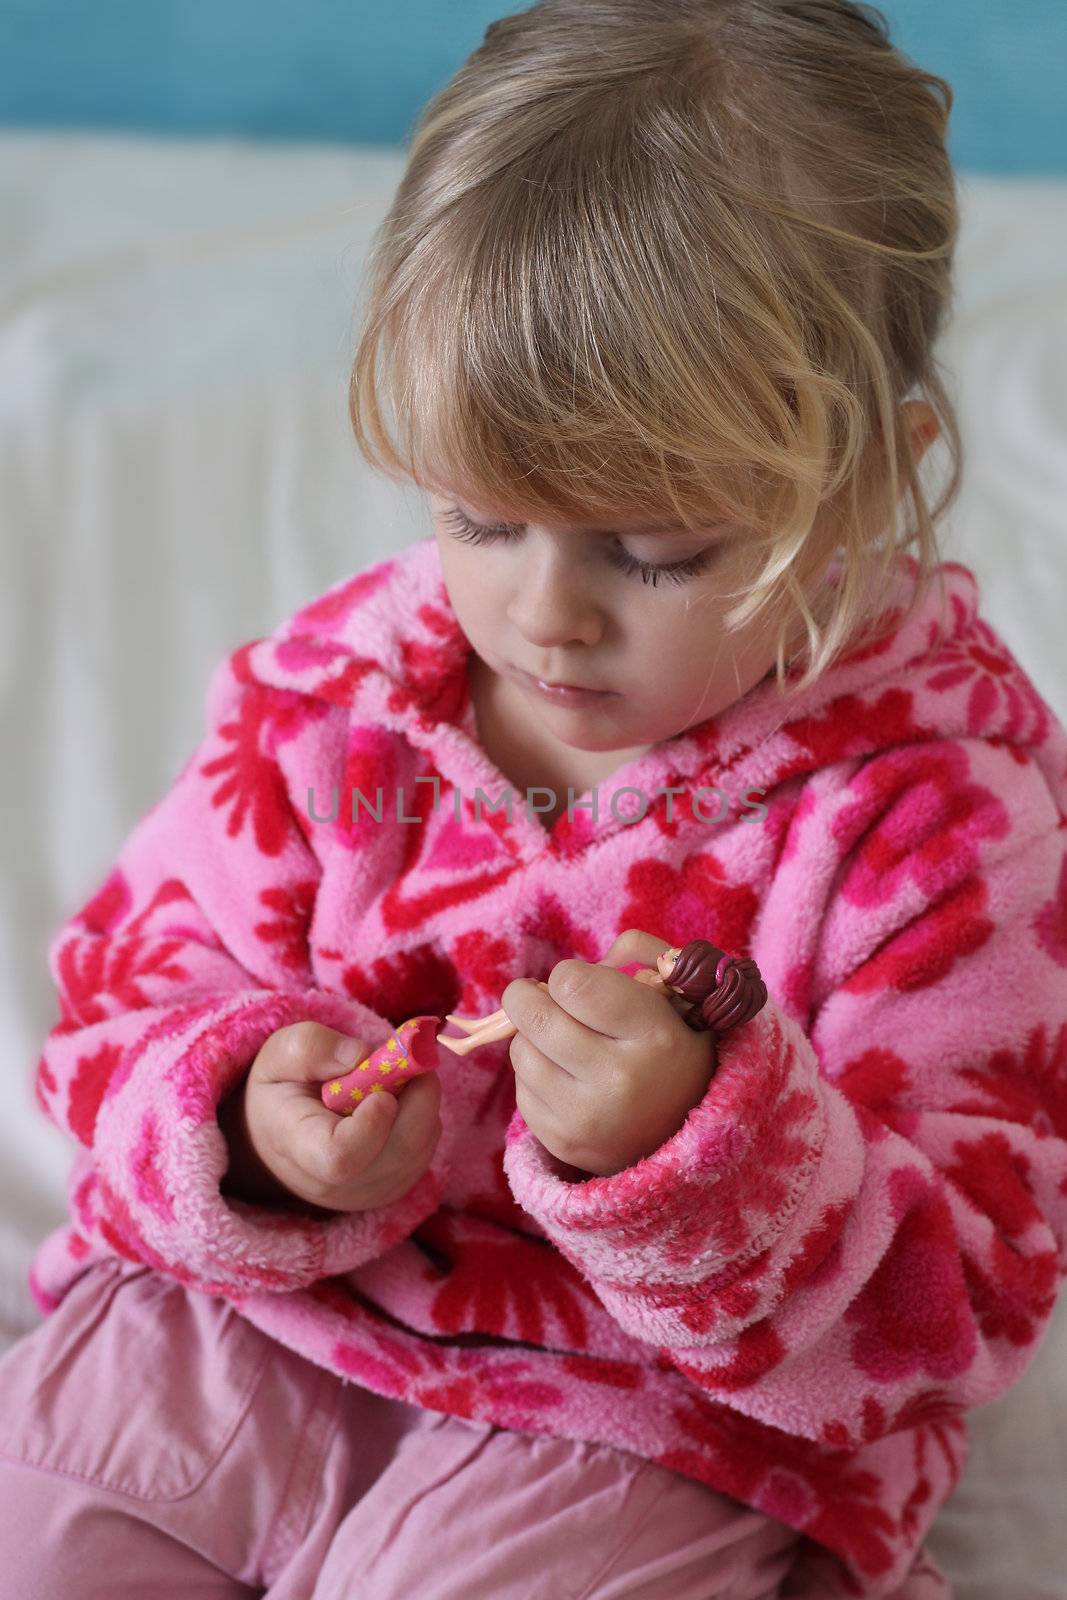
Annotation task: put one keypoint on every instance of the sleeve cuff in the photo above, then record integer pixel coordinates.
(713, 1196)
(153, 1193)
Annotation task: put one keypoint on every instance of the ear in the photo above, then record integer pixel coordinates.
(920, 419)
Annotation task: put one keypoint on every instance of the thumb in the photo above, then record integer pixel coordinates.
(336, 1054)
(635, 948)
(309, 1052)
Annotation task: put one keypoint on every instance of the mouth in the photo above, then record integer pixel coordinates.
(580, 688)
(563, 693)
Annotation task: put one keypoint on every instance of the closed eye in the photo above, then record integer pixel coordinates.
(461, 527)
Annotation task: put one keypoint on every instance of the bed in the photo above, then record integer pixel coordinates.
(177, 319)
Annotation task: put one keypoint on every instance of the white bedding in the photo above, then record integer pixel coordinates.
(177, 320)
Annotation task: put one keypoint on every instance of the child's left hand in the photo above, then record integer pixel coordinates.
(605, 1069)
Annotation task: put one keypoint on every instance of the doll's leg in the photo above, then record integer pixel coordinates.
(475, 1024)
(488, 1033)
(472, 1024)
(469, 1511)
(488, 1029)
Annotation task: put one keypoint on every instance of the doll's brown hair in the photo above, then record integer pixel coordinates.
(725, 991)
(686, 257)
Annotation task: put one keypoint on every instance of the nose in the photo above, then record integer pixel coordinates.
(552, 603)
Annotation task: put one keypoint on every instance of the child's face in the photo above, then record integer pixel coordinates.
(559, 604)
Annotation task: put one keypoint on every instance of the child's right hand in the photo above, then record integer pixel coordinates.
(284, 1142)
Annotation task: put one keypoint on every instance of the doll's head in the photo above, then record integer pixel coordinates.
(724, 991)
(675, 265)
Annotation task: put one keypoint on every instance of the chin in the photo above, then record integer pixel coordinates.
(594, 738)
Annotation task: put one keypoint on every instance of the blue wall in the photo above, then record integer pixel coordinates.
(359, 70)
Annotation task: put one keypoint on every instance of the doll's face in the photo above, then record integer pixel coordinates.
(572, 606)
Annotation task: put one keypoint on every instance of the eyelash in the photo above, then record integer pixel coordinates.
(677, 572)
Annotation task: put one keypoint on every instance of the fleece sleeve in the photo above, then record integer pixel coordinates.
(190, 955)
(863, 1225)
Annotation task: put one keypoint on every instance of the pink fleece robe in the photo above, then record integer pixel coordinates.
(858, 1233)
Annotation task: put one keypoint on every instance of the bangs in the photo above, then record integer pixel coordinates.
(558, 356)
(677, 265)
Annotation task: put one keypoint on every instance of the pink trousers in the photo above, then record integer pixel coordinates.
(153, 1441)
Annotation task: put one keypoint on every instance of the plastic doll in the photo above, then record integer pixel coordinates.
(708, 988)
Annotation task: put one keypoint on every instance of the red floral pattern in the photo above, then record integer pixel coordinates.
(858, 1232)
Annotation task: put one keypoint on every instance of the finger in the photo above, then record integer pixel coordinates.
(417, 1126)
(328, 1147)
(606, 1001)
(389, 1133)
(557, 1027)
(541, 1080)
(635, 945)
(569, 1044)
(405, 1155)
(309, 1052)
(332, 1054)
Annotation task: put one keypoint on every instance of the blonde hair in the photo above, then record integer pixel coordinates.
(689, 257)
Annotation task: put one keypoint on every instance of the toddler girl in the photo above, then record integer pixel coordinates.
(589, 1312)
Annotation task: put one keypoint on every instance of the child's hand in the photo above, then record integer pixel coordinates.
(284, 1142)
(605, 1069)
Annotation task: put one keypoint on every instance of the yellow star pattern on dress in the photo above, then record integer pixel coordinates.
(408, 1052)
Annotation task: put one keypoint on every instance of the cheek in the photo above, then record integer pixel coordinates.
(692, 659)
(471, 583)
(682, 642)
